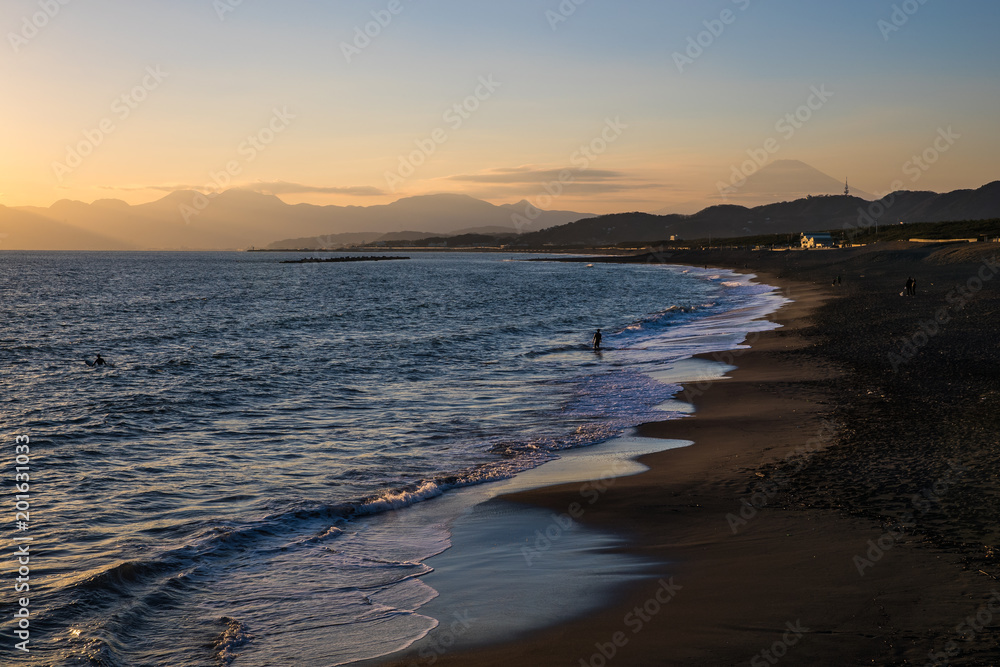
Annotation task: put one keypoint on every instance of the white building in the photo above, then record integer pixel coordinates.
(817, 240)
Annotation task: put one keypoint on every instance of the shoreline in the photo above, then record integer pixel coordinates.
(492, 538)
(779, 576)
(548, 563)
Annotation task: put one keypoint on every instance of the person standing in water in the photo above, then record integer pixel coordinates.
(99, 361)
(597, 340)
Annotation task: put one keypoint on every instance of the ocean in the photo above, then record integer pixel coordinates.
(233, 487)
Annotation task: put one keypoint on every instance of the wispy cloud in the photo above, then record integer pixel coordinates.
(286, 188)
(158, 188)
(529, 174)
(528, 180)
(263, 187)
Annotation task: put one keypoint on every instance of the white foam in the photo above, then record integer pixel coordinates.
(399, 498)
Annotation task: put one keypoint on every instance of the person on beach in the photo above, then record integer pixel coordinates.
(913, 287)
(597, 340)
(908, 290)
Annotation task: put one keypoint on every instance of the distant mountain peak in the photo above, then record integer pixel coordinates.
(111, 203)
(439, 197)
(245, 195)
(793, 179)
(791, 164)
(520, 204)
(776, 181)
(177, 195)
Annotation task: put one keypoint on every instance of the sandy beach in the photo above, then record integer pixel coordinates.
(839, 504)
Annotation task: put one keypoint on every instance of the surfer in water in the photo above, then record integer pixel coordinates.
(99, 361)
(597, 341)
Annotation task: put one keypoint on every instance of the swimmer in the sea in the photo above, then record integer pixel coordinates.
(99, 361)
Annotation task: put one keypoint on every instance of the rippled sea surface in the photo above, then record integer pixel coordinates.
(214, 489)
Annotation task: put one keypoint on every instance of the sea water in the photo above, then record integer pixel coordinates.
(241, 483)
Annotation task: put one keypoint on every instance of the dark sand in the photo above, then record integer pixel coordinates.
(840, 506)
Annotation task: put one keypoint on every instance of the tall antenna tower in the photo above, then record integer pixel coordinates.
(847, 189)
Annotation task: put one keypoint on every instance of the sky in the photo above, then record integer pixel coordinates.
(584, 105)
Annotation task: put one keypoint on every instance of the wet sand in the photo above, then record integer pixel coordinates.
(840, 502)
